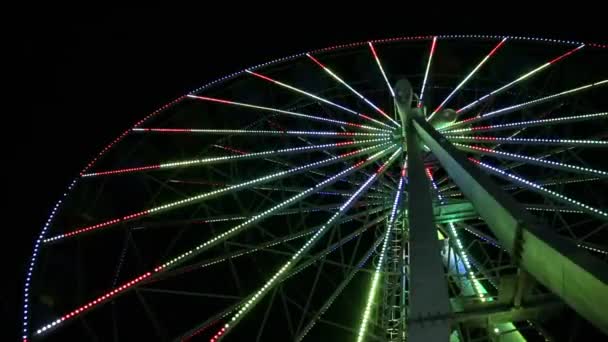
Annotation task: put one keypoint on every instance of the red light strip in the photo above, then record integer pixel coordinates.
(557, 59)
(371, 46)
(315, 97)
(426, 73)
(95, 302)
(97, 226)
(519, 79)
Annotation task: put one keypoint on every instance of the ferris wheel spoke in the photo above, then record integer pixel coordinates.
(543, 155)
(337, 78)
(519, 79)
(520, 106)
(378, 271)
(466, 79)
(284, 163)
(260, 247)
(263, 133)
(219, 192)
(528, 124)
(361, 115)
(371, 47)
(285, 269)
(231, 158)
(558, 181)
(286, 112)
(543, 191)
(527, 141)
(336, 293)
(545, 183)
(532, 161)
(426, 73)
(180, 259)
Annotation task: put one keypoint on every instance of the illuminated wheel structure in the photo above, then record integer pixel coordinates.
(418, 188)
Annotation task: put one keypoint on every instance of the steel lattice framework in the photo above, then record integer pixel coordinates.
(425, 188)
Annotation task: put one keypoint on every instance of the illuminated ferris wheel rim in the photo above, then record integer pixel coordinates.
(252, 70)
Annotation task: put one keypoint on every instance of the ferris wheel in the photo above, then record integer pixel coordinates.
(418, 188)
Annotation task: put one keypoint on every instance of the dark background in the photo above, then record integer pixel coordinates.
(84, 77)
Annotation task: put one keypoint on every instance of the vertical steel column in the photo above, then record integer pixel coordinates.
(429, 305)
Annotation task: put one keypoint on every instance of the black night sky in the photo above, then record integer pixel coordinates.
(83, 78)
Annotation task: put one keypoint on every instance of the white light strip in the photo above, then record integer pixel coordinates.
(261, 132)
(428, 67)
(535, 186)
(286, 112)
(526, 140)
(371, 46)
(529, 123)
(547, 163)
(483, 61)
(511, 108)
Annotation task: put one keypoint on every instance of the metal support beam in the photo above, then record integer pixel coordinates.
(428, 294)
(578, 278)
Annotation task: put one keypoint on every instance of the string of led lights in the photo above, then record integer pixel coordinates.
(388, 84)
(379, 265)
(530, 123)
(426, 73)
(337, 78)
(533, 161)
(520, 106)
(286, 112)
(252, 155)
(466, 79)
(537, 188)
(264, 77)
(519, 79)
